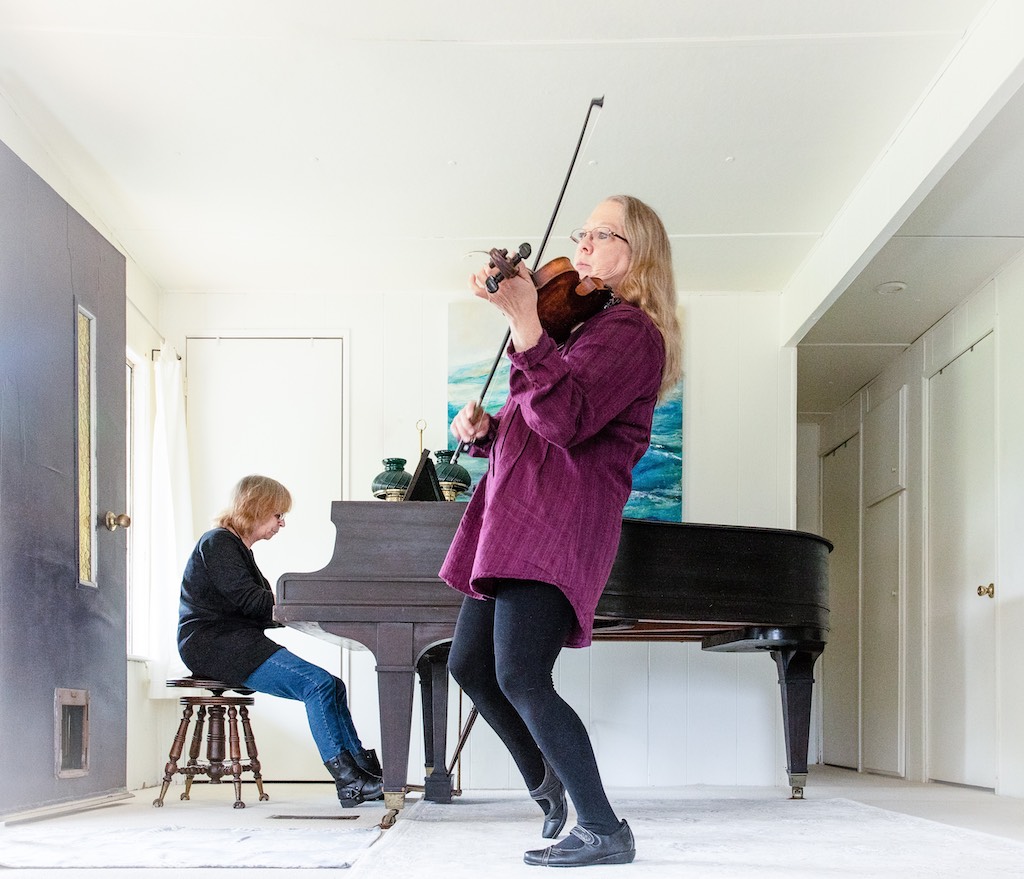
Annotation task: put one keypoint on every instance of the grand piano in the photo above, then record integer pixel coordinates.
(732, 588)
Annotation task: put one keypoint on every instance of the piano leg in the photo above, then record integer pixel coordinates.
(396, 684)
(796, 679)
(423, 669)
(433, 672)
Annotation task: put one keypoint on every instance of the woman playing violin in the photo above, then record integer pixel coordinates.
(535, 547)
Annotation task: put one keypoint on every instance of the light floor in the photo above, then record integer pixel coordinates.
(967, 808)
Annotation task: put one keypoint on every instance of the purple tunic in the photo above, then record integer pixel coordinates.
(562, 451)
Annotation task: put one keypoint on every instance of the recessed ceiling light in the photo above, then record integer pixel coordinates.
(890, 288)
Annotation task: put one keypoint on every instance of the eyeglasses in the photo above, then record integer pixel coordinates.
(280, 516)
(601, 233)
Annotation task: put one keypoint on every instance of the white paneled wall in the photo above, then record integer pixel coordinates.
(999, 304)
(1009, 288)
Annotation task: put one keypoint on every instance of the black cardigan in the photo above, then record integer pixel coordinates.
(226, 603)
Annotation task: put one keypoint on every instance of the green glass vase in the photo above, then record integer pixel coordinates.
(454, 478)
(390, 484)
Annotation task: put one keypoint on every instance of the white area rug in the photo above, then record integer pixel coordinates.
(696, 838)
(56, 846)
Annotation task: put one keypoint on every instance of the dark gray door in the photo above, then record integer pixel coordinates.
(62, 468)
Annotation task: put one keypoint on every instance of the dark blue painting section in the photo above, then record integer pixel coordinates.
(657, 477)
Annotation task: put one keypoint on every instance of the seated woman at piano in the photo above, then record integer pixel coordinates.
(536, 544)
(227, 603)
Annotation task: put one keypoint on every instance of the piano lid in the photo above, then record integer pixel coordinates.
(718, 574)
(723, 575)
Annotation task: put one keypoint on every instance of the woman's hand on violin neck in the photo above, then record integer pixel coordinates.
(478, 283)
(471, 423)
(516, 298)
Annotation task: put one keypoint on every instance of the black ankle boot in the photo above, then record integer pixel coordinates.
(354, 785)
(366, 759)
(581, 848)
(551, 796)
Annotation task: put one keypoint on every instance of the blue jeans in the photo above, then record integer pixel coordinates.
(286, 675)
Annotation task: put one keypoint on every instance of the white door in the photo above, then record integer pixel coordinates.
(274, 406)
(961, 558)
(840, 663)
(881, 731)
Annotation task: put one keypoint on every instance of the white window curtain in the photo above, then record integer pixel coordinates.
(171, 529)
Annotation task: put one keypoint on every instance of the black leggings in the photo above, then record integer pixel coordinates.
(502, 655)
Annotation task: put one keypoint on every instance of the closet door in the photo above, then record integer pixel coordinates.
(961, 567)
(884, 480)
(882, 736)
(839, 666)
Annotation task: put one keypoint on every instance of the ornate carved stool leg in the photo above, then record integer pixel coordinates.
(193, 751)
(253, 754)
(215, 745)
(235, 748)
(172, 762)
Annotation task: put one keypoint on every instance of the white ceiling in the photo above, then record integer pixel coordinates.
(301, 145)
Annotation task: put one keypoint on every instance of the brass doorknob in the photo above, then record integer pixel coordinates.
(989, 590)
(112, 521)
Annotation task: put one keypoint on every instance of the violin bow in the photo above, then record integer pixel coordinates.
(594, 102)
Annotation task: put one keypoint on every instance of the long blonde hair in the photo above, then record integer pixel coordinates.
(253, 499)
(649, 283)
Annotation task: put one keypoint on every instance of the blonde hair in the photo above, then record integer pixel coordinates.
(649, 283)
(253, 499)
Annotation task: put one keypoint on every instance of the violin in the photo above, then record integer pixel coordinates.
(563, 298)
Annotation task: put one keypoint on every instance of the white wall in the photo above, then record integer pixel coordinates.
(739, 408)
(1009, 293)
(396, 356)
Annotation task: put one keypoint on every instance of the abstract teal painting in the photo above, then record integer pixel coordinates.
(475, 333)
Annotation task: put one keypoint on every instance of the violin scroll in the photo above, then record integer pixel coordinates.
(505, 264)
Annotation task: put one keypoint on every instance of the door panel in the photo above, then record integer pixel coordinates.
(840, 663)
(59, 638)
(961, 557)
(882, 736)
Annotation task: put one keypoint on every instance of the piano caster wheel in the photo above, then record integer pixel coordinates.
(798, 793)
(389, 819)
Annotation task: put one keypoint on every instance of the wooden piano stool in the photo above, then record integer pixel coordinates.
(219, 714)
